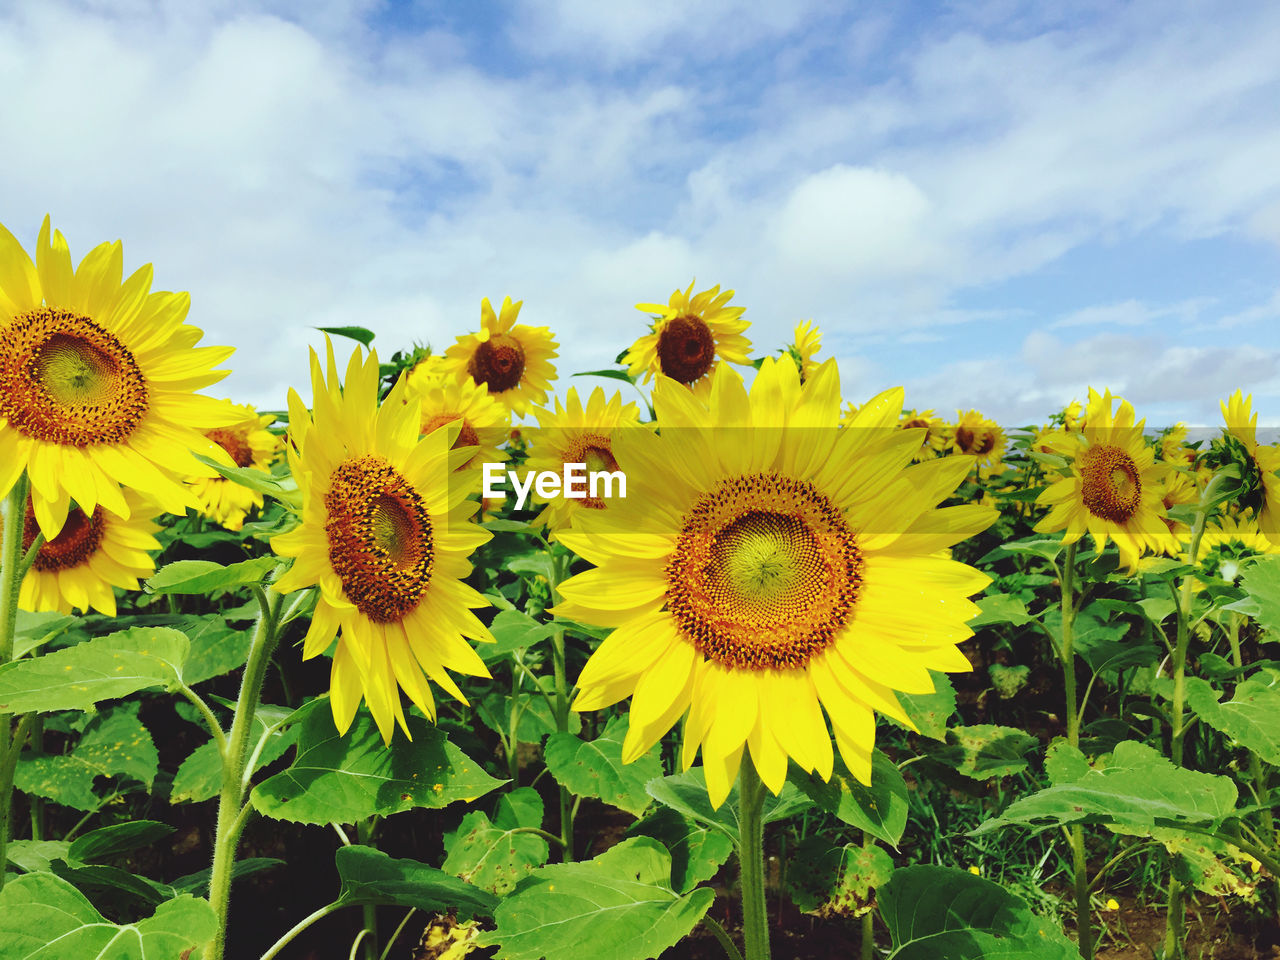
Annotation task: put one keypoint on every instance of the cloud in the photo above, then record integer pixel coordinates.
(1131, 313)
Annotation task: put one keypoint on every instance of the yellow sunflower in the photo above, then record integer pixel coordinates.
(1073, 418)
(574, 434)
(935, 438)
(513, 362)
(1114, 489)
(92, 553)
(1242, 425)
(692, 335)
(1177, 489)
(386, 536)
(481, 421)
(1173, 445)
(248, 443)
(765, 567)
(97, 381)
(430, 371)
(982, 439)
(808, 341)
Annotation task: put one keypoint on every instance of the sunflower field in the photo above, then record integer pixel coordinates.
(449, 658)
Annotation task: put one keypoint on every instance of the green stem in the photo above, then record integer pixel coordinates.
(11, 571)
(868, 951)
(755, 910)
(1079, 863)
(369, 911)
(232, 813)
(561, 708)
(298, 927)
(720, 933)
(395, 934)
(538, 831)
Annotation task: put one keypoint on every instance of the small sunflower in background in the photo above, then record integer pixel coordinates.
(1173, 445)
(511, 361)
(1177, 489)
(758, 575)
(92, 553)
(573, 433)
(248, 443)
(386, 536)
(1228, 542)
(97, 383)
(1073, 417)
(807, 343)
(935, 438)
(431, 371)
(693, 334)
(1114, 489)
(481, 421)
(1261, 462)
(980, 438)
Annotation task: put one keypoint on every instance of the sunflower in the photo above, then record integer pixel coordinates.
(512, 362)
(92, 553)
(808, 341)
(574, 434)
(481, 421)
(1242, 425)
(982, 439)
(248, 443)
(1173, 445)
(430, 371)
(386, 536)
(97, 381)
(1177, 489)
(934, 440)
(693, 335)
(1114, 489)
(765, 567)
(1073, 418)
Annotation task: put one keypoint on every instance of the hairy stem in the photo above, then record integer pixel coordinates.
(11, 572)
(755, 910)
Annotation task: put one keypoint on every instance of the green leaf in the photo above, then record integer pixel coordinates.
(532, 565)
(697, 851)
(535, 720)
(1134, 785)
(1261, 581)
(107, 843)
(686, 793)
(199, 777)
(609, 374)
(826, 879)
(361, 335)
(33, 856)
(79, 677)
(33, 630)
(369, 876)
(197, 884)
(512, 630)
(984, 750)
(619, 906)
(346, 779)
(43, 917)
(1251, 717)
(594, 768)
(931, 711)
(114, 744)
(939, 913)
(880, 809)
(283, 489)
(1045, 549)
(496, 855)
(216, 648)
(205, 576)
(1000, 608)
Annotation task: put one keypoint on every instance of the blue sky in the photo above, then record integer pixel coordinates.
(993, 204)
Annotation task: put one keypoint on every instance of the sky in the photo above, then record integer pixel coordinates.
(995, 204)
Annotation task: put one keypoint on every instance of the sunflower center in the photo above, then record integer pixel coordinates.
(66, 380)
(975, 442)
(686, 348)
(498, 363)
(380, 538)
(916, 423)
(1110, 488)
(765, 574)
(76, 542)
(235, 443)
(596, 451)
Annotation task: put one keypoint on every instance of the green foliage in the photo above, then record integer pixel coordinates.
(1261, 581)
(931, 711)
(826, 879)
(1251, 717)
(985, 750)
(495, 855)
(880, 809)
(618, 906)
(114, 744)
(686, 793)
(361, 335)
(353, 777)
(43, 917)
(697, 850)
(594, 768)
(939, 913)
(369, 876)
(200, 775)
(203, 576)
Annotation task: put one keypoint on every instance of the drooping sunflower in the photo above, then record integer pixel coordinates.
(97, 381)
(248, 443)
(766, 566)
(1242, 426)
(480, 420)
(1114, 489)
(92, 554)
(576, 434)
(512, 362)
(980, 438)
(386, 535)
(693, 335)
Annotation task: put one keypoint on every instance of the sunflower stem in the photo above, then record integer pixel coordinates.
(1079, 863)
(561, 705)
(755, 909)
(11, 571)
(231, 806)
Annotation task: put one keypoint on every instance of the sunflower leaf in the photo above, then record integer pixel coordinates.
(283, 489)
(353, 777)
(594, 768)
(686, 793)
(697, 851)
(205, 576)
(43, 917)
(931, 711)
(940, 913)
(1251, 717)
(619, 906)
(495, 855)
(370, 876)
(609, 374)
(1261, 581)
(80, 677)
(199, 777)
(361, 335)
(880, 809)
